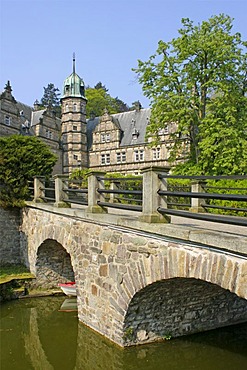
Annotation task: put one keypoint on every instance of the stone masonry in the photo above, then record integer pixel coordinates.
(10, 237)
(133, 288)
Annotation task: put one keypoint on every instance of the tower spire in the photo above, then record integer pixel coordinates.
(73, 62)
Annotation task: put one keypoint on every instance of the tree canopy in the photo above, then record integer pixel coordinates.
(22, 158)
(51, 99)
(99, 99)
(51, 96)
(199, 81)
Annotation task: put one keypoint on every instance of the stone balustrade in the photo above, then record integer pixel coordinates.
(151, 201)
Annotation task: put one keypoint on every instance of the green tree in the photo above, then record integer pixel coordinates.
(99, 99)
(199, 81)
(22, 158)
(51, 96)
(50, 99)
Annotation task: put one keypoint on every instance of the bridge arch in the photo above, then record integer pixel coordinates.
(217, 280)
(180, 306)
(53, 264)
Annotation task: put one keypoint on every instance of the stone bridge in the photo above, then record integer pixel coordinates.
(139, 282)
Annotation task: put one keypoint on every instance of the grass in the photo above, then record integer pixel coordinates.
(8, 273)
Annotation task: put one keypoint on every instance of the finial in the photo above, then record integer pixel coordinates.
(73, 62)
(8, 86)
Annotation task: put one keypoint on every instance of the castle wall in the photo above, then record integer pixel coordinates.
(10, 237)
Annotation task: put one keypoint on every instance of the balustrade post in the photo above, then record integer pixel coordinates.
(114, 185)
(39, 189)
(94, 183)
(150, 198)
(197, 203)
(61, 184)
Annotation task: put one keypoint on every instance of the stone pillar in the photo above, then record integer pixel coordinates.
(39, 189)
(197, 203)
(113, 186)
(61, 184)
(93, 196)
(150, 199)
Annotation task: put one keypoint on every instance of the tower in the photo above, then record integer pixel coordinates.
(74, 132)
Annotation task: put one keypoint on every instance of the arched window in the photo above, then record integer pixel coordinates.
(66, 107)
(74, 107)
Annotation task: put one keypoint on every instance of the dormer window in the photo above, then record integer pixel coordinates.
(7, 120)
(66, 89)
(135, 134)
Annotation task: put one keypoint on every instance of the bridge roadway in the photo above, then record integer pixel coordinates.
(138, 282)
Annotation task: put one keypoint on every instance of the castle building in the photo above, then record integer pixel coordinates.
(110, 143)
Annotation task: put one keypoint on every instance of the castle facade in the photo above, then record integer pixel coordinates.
(110, 143)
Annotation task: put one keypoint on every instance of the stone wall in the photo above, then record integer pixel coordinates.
(10, 237)
(136, 288)
(179, 306)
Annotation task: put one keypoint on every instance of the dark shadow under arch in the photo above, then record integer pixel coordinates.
(180, 306)
(53, 265)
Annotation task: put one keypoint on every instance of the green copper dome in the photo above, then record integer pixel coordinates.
(73, 85)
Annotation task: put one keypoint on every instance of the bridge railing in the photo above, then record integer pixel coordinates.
(156, 196)
(202, 200)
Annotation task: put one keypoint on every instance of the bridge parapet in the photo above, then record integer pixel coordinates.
(155, 196)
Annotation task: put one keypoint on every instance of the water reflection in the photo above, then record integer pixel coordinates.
(39, 334)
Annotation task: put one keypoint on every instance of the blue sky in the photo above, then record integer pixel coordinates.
(38, 38)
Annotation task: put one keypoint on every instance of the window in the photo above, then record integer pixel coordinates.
(75, 157)
(164, 131)
(105, 158)
(139, 155)
(66, 107)
(7, 120)
(156, 153)
(74, 108)
(48, 134)
(121, 157)
(105, 138)
(74, 128)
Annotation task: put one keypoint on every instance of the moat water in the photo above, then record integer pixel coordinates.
(36, 334)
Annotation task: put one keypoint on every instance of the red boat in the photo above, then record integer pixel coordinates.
(68, 288)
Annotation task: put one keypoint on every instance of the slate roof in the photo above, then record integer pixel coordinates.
(36, 116)
(132, 122)
(27, 111)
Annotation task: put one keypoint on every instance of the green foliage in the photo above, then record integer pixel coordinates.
(132, 183)
(99, 100)
(167, 336)
(51, 99)
(199, 82)
(128, 334)
(181, 185)
(228, 187)
(51, 96)
(22, 158)
(79, 177)
(10, 272)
